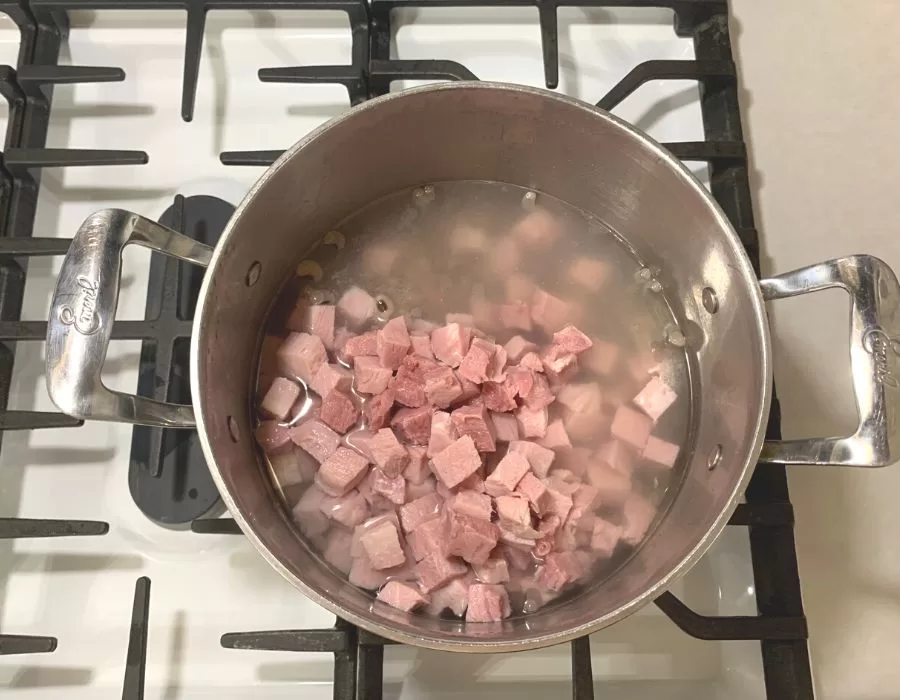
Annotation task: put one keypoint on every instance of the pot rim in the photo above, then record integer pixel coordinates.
(468, 644)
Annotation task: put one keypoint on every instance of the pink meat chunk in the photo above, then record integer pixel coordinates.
(392, 488)
(473, 539)
(601, 358)
(496, 369)
(456, 462)
(540, 458)
(356, 307)
(377, 409)
(474, 365)
(532, 422)
(416, 470)
(558, 569)
(280, 398)
(443, 434)
(516, 315)
(421, 510)
(604, 537)
(518, 558)
(450, 343)
(660, 451)
(301, 355)
(572, 340)
(520, 381)
(331, 377)
(631, 426)
(453, 596)
(532, 361)
(393, 342)
(538, 228)
(371, 377)
(292, 467)
(487, 603)
(307, 512)
(341, 471)
(386, 452)
(473, 504)
(401, 596)
(350, 510)
(364, 575)
(485, 314)
(540, 395)
(517, 346)
(421, 345)
(435, 570)
(475, 422)
(505, 256)
(613, 486)
(506, 427)
(414, 491)
(507, 474)
(560, 365)
(637, 516)
(589, 273)
(320, 319)
(467, 320)
(560, 504)
(380, 259)
(337, 550)
(272, 437)
(339, 411)
(556, 437)
(442, 387)
(494, 570)
(413, 424)
(382, 546)
(427, 538)
(466, 238)
(616, 455)
(365, 345)
(316, 438)
(655, 398)
(470, 390)
(535, 491)
(514, 513)
(548, 311)
(498, 397)
(409, 383)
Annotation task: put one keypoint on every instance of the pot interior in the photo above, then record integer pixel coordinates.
(545, 143)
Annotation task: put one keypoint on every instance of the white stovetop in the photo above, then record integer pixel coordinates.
(80, 590)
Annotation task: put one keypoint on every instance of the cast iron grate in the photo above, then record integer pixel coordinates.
(780, 626)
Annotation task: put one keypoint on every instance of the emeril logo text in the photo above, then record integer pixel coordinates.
(82, 315)
(884, 350)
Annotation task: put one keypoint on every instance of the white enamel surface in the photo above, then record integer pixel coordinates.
(80, 590)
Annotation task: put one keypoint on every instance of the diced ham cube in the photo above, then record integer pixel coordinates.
(631, 426)
(506, 427)
(393, 342)
(371, 377)
(535, 491)
(518, 558)
(517, 346)
(350, 510)
(339, 411)
(470, 391)
(556, 437)
(514, 513)
(456, 462)
(427, 538)
(341, 471)
(301, 355)
(572, 340)
(485, 315)
(272, 437)
(307, 512)
(498, 397)
(413, 424)
(575, 460)
(421, 510)
(540, 458)
(487, 603)
(320, 319)
(520, 381)
(414, 491)
(337, 550)
(560, 365)
(473, 539)
(451, 343)
(401, 596)
(380, 259)
(496, 370)
(472, 503)
(382, 546)
(548, 311)
(292, 467)
(494, 570)
(559, 504)
(540, 395)
(280, 398)
(589, 273)
(365, 345)
(421, 345)
(613, 486)
(660, 451)
(443, 434)
(315, 438)
(475, 422)
(532, 361)
(558, 569)
(538, 228)
(604, 537)
(474, 365)
(637, 516)
(392, 488)
(386, 452)
(331, 377)
(416, 470)
(467, 320)
(507, 474)
(364, 575)
(616, 455)
(532, 422)
(377, 409)
(655, 398)
(435, 570)
(453, 596)
(356, 307)
(409, 383)
(465, 238)
(516, 315)
(442, 387)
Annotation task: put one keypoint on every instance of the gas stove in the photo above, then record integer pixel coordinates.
(119, 570)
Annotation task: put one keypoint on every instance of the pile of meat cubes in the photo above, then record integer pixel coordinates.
(447, 468)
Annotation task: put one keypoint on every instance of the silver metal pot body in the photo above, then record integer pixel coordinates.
(510, 134)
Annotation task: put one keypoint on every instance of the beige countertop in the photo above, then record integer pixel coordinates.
(822, 116)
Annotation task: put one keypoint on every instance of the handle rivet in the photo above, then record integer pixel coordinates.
(715, 457)
(233, 429)
(710, 299)
(253, 273)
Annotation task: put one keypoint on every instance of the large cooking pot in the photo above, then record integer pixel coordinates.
(516, 135)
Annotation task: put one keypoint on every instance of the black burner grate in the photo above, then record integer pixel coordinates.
(780, 626)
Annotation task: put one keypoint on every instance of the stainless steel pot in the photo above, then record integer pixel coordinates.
(516, 135)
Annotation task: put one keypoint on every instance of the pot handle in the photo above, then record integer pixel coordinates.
(874, 351)
(82, 314)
